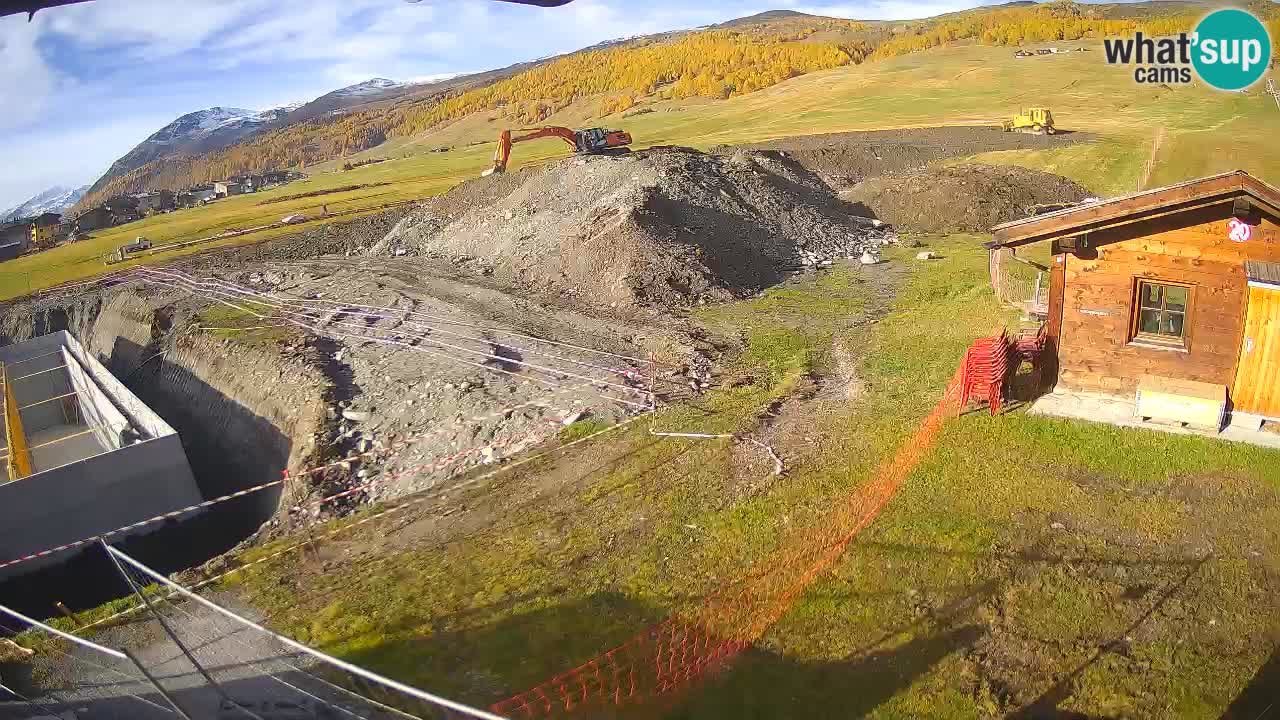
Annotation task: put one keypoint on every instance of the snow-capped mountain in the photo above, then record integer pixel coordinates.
(198, 132)
(373, 86)
(215, 128)
(341, 100)
(54, 200)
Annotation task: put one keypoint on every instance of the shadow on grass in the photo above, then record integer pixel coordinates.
(485, 663)
(1261, 697)
(1046, 707)
(767, 685)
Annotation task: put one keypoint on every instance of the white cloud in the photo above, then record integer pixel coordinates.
(50, 158)
(110, 72)
(26, 81)
(148, 29)
(884, 9)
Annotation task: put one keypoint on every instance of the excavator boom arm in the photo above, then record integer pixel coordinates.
(505, 141)
(594, 140)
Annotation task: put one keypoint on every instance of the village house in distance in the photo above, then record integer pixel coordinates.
(123, 209)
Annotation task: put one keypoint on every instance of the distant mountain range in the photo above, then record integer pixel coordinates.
(199, 145)
(55, 200)
(215, 128)
(197, 132)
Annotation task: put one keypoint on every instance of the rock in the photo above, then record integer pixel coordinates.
(355, 415)
(1057, 526)
(868, 258)
(927, 255)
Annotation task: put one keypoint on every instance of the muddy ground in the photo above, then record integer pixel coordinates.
(442, 338)
(978, 197)
(844, 159)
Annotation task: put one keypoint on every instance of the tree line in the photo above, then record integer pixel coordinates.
(715, 64)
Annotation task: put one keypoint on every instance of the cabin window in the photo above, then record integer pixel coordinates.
(1160, 313)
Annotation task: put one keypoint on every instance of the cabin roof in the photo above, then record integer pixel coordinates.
(1189, 195)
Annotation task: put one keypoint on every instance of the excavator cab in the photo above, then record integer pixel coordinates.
(599, 140)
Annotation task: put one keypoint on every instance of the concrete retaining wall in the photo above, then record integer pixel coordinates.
(96, 408)
(110, 489)
(92, 497)
(142, 417)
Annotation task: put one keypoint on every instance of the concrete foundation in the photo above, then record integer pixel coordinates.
(100, 458)
(1123, 411)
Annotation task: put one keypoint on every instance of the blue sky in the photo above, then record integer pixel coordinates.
(83, 84)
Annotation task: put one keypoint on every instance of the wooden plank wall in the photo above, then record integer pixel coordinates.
(1192, 247)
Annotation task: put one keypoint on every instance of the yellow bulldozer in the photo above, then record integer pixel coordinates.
(1035, 121)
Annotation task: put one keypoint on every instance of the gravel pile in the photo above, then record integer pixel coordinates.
(657, 228)
(964, 198)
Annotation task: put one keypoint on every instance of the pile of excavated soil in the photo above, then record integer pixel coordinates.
(964, 198)
(656, 228)
(340, 237)
(843, 159)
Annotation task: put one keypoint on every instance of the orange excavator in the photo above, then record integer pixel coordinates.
(592, 141)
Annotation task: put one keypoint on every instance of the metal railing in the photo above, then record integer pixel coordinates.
(18, 459)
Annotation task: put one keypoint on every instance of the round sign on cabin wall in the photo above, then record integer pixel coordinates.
(1238, 230)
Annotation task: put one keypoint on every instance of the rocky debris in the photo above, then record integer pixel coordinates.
(665, 228)
(963, 198)
(340, 237)
(449, 392)
(843, 159)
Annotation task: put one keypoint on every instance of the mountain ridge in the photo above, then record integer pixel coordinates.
(55, 199)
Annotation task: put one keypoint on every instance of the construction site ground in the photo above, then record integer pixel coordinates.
(1036, 566)
(1057, 568)
(1204, 133)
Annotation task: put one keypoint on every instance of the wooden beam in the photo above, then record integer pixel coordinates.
(1053, 329)
(1154, 203)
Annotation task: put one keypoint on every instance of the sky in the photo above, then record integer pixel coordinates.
(82, 84)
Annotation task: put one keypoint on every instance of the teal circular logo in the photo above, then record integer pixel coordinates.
(1231, 49)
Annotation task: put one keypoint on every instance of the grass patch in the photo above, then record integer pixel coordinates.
(241, 325)
(1018, 548)
(582, 428)
(1207, 132)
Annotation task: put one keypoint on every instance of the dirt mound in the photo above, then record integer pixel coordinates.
(964, 198)
(660, 227)
(339, 237)
(843, 159)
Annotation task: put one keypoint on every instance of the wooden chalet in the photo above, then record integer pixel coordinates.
(1179, 285)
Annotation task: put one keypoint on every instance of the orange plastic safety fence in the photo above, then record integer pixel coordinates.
(679, 650)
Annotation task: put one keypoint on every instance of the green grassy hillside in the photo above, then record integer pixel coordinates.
(1205, 131)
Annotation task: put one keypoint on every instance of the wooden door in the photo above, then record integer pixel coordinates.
(1257, 387)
